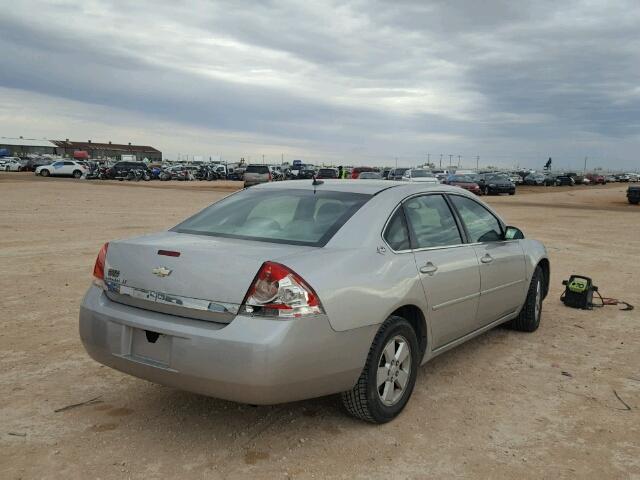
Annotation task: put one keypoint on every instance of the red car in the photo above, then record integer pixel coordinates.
(595, 179)
(464, 181)
(355, 173)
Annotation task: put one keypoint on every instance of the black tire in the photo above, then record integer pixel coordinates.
(44, 173)
(529, 318)
(363, 400)
(486, 190)
(77, 174)
(512, 193)
(634, 202)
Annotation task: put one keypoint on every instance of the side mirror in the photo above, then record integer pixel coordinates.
(513, 233)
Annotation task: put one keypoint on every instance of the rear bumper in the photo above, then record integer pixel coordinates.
(251, 360)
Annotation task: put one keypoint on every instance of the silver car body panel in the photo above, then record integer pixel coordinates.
(359, 279)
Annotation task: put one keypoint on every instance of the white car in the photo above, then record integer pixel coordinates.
(11, 164)
(420, 175)
(66, 167)
(633, 177)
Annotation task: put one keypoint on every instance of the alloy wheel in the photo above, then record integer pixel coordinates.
(394, 370)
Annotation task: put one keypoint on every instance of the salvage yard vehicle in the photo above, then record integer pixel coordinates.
(396, 173)
(464, 181)
(420, 175)
(495, 184)
(255, 174)
(62, 168)
(595, 179)
(633, 194)
(564, 180)
(327, 173)
(11, 164)
(120, 170)
(299, 289)
(370, 176)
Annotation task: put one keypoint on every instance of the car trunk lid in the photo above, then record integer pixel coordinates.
(194, 276)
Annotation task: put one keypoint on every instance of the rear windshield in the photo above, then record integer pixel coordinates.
(292, 216)
(421, 173)
(257, 169)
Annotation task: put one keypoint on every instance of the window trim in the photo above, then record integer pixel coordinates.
(501, 224)
(454, 213)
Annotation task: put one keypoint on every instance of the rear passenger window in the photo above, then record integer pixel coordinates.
(397, 234)
(480, 222)
(432, 222)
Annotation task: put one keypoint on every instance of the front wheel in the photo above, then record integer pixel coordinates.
(44, 173)
(389, 374)
(529, 318)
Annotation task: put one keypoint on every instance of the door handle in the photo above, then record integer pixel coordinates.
(487, 258)
(429, 268)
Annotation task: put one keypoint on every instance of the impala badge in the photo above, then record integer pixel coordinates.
(161, 272)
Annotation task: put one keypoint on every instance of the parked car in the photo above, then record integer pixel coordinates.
(611, 179)
(564, 180)
(327, 173)
(370, 176)
(464, 181)
(623, 177)
(385, 173)
(122, 169)
(420, 175)
(355, 173)
(63, 168)
(255, 174)
(496, 183)
(633, 177)
(11, 164)
(633, 194)
(536, 179)
(293, 290)
(396, 173)
(596, 179)
(516, 178)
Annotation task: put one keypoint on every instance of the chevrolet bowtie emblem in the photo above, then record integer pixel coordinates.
(161, 271)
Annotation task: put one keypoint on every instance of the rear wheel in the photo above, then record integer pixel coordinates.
(389, 375)
(529, 318)
(77, 174)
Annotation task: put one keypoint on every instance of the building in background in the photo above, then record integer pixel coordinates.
(106, 150)
(20, 147)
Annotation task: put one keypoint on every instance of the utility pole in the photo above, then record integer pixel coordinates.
(263, 158)
(458, 161)
(428, 158)
(585, 165)
(282, 158)
(477, 163)
(450, 159)
(440, 161)
(396, 162)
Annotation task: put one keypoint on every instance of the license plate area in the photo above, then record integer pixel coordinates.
(151, 347)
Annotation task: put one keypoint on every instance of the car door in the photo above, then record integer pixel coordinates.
(502, 262)
(448, 267)
(68, 168)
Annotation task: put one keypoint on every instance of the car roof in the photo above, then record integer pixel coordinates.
(370, 187)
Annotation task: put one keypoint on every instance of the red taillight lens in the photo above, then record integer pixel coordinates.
(277, 291)
(270, 177)
(98, 268)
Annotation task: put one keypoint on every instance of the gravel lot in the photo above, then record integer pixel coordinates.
(505, 405)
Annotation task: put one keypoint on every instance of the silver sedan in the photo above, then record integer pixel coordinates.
(299, 289)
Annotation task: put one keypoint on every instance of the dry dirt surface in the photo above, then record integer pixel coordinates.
(563, 402)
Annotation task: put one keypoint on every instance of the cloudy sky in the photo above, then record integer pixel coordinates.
(358, 82)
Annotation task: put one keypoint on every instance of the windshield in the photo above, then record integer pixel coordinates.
(293, 216)
(421, 173)
(461, 178)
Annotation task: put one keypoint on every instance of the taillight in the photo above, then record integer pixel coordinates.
(277, 291)
(270, 177)
(98, 268)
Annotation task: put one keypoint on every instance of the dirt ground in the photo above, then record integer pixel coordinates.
(563, 402)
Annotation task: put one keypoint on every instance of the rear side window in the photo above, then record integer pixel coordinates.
(257, 169)
(293, 216)
(432, 221)
(397, 233)
(481, 225)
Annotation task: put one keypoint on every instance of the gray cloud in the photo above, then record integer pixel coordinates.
(366, 81)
